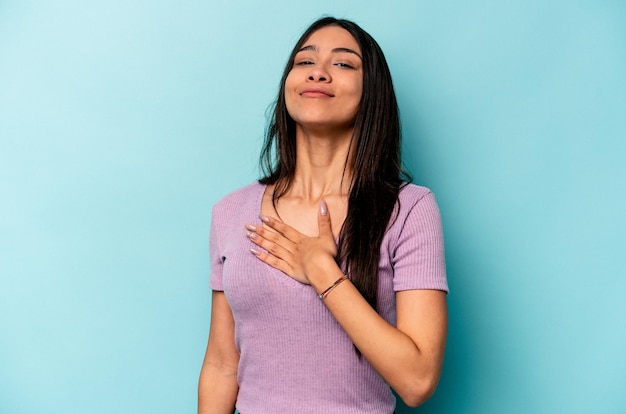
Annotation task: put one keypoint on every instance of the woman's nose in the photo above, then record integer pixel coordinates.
(319, 74)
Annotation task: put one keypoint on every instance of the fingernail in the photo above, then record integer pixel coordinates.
(323, 208)
(264, 219)
(251, 235)
(255, 252)
(251, 227)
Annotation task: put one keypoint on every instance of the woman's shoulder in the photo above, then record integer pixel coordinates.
(244, 192)
(248, 195)
(412, 193)
(416, 211)
(415, 201)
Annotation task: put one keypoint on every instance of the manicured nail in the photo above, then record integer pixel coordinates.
(323, 208)
(264, 219)
(251, 227)
(255, 252)
(251, 235)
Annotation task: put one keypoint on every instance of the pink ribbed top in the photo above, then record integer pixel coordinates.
(294, 356)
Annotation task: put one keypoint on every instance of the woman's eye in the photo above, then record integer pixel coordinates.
(344, 65)
(304, 63)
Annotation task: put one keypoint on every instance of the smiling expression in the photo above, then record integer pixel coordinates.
(324, 87)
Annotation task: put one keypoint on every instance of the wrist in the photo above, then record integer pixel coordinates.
(323, 273)
(330, 288)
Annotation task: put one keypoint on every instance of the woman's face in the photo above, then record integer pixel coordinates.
(324, 88)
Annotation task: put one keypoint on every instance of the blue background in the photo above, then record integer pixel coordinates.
(122, 122)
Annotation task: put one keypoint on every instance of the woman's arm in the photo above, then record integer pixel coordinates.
(217, 388)
(409, 356)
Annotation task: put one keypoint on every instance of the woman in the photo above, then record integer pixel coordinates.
(328, 274)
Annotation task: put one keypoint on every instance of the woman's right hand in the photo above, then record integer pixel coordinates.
(295, 254)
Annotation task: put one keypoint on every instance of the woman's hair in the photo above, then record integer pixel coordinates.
(377, 173)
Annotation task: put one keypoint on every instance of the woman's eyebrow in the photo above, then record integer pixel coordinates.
(346, 50)
(335, 50)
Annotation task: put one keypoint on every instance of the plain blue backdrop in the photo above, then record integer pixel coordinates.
(123, 122)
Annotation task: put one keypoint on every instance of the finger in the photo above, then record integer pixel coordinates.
(323, 220)
(271, 235)
(284, 229)
(273, 246)
(273, 261)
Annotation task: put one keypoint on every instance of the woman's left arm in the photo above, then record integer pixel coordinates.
(408, 356)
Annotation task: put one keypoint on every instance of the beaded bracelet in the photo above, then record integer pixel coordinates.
(331, 287)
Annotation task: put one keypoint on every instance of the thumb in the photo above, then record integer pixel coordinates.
(323, 220)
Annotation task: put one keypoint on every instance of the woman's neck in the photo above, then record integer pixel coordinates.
(322, 167)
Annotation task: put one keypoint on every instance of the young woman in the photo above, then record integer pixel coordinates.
(328, 274)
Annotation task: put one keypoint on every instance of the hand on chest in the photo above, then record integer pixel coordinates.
(303, 215)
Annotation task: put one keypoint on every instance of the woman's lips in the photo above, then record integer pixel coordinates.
(316, 93)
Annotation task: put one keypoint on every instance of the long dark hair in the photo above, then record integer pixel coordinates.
(376, 164)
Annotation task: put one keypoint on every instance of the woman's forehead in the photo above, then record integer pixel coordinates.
(331, 37)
